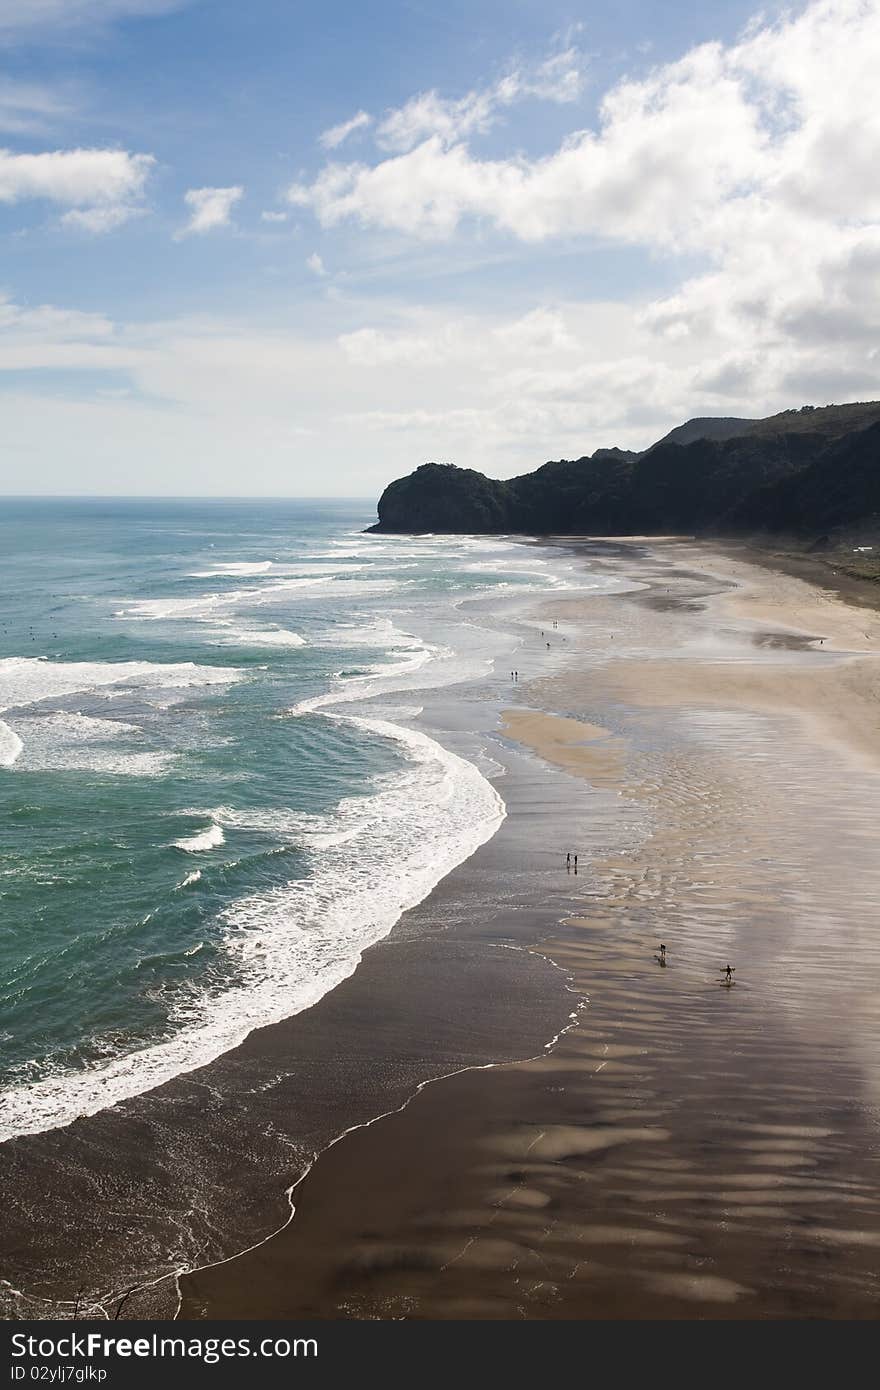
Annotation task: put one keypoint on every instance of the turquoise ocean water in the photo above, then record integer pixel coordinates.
(200, 827)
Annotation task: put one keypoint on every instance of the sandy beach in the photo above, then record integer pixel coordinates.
(513, 1109)
(439, 677)
(686, 1149)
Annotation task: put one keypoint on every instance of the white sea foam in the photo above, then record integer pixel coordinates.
(370, 860)
(201, 608)
(310, 570)
(372, 632)
(209, 838)
(85, 728)
(10, 745)
(205, 608)
(236, 568)
(58, 739)
(43, 753)
(290, 946)
(28, 680)
(417, 664)
(73, 740)
(304, 569)
(380, 680)
(185, 883)
(233, 635)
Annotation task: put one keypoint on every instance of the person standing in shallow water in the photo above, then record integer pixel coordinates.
(568, 861)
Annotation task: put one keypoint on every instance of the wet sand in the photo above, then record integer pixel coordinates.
(686, 1150)
(200, 1168)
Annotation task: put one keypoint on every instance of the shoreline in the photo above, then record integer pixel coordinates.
(207, 1159)
(508, 968)
(532, 1193)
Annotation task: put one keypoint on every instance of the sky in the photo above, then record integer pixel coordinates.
(293, 249)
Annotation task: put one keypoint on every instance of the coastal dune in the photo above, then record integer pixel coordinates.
(686, 1149)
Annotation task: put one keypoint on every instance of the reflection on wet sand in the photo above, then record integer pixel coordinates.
(685, 1151)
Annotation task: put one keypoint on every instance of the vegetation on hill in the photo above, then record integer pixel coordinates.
(806, 473)
(830, 420)
(707, 427)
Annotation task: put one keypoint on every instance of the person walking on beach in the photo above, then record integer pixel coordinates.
(575, 863)
(728, 974)
(568, 861)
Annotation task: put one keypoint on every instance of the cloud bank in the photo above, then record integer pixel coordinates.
(756, 160)
(745, 171)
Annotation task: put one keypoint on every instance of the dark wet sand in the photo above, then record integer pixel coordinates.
(686, 1150)
(198, 1169)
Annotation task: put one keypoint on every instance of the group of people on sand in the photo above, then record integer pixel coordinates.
(728, 971)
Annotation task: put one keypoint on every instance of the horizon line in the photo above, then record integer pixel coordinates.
(175, 497)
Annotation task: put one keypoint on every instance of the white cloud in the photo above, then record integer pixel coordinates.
(787, 116)
(558, 78)
(370, 347)
(211, 208)
(315, 264)
(498, 392)
(101, 187)
(48, 321)
(270, 216)
(542, 330)
(99, 220)
(669, 151)
(334, 137)
(48, 337)
(432, 115)
(75, 177)
(758, 158)
(753, 158)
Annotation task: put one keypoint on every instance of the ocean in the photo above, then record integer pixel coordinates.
(203, 824)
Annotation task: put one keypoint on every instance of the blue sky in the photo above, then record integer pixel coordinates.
(292, 249)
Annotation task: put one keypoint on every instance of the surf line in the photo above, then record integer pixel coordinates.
(99, 1305)
(572, 1022)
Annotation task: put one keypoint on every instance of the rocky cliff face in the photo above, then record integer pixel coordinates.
(804, 472)
(440, 497)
